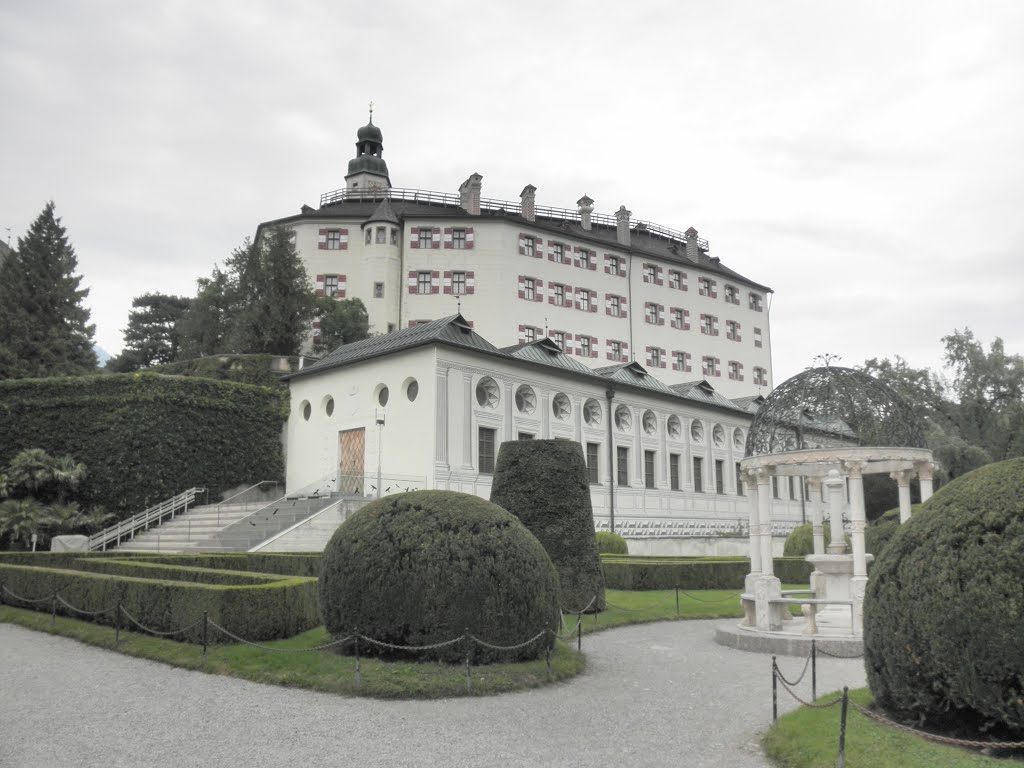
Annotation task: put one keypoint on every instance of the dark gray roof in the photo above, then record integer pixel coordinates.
(750, 403)
(632, 373)
(384, 212)
(546, 352)
(703, 392)
(452, 330)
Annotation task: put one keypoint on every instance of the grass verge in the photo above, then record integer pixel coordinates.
(809, 738)
(319, 670)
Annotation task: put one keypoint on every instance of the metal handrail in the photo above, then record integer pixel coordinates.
(508, 206)
(299, 524)
(143, 520)
(235, 496)
(328, 484)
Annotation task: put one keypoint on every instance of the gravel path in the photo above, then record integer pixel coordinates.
(653, 695)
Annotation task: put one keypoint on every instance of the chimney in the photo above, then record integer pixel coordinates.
(692, 251)
(586, 208)
(469, 194)
(622, 220)
(528, 206)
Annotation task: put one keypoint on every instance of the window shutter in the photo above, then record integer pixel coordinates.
(469, 238)
(448, 237)
(412, 281)
(342, 286)
(321, 241)
(522, 244)
(415, 239)
(320, 280)
(538, 291)
(435, 240)
(593, 301)
(658, 279)
(470, 282)
(435, 282)
(447, 282)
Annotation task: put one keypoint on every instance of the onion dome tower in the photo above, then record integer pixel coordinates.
(367, 170)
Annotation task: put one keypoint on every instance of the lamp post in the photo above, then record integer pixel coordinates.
(380, 445)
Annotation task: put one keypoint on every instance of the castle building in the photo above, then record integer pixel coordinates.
(605, 289)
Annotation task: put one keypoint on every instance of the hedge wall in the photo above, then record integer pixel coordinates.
(276, 609)
(145, 437)
(143, 569)
(251, 562)
(639, 574)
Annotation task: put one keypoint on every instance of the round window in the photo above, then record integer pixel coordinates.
(412, 390)
(650, 422)
(487, 392)
(382, 396)
(623, 419)
(697, 432)
(675, 428)
(737, 438)
(592, 412)
(560, 406)
(526, 399)
(307, 410)
(718, 435)
(329, 406)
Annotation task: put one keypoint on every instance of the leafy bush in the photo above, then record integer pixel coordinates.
(641, 573)
(609, 543)
(146, 437)
(881, 530)
(424, 567)
(277, 608)
(544, 483)
(944, 611)
(243, 369)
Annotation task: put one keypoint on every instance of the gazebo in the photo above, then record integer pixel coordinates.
(828, 426)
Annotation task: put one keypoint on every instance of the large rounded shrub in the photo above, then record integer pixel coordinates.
(545, 484)
(800, 541)
(609, 543)
(944, 609)
(424, 567)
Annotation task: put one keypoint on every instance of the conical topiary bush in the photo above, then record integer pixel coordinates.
(544, 484)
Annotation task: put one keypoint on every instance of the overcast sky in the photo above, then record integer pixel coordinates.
(862, 159)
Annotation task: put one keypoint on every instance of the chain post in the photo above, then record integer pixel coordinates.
(359, 675)
(814, 669)
(547, 660)
(53, 610)
(677, 601)
(206, 627)
(117, 624)
(842, 729)
(469, 651)
(775, 693)
(595, 612)
(2, 588)
(579, 633)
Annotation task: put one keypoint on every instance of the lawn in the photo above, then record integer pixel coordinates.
(809, 738)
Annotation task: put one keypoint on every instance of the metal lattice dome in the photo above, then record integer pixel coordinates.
(830, 407)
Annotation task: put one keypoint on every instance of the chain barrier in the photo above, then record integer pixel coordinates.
(658, 604)
(397, 647)
(235, 637)
(158, 632)
(880, 718)
(531, 641)
(572, 632)
(711, 602)
(841, 655)
(584, 609)
(46, 599)
(79, 610)
(807, 664)
(812, 705)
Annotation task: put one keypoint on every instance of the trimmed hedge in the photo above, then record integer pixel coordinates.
(142, 569)
(242, 369)
(273, 610)
(425, 567)
(944, 609)
(146, 437)
(638, 573)
(253, 562)
(544, 484)
(609, 543)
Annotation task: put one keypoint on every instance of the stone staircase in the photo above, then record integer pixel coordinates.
(191, 531)
(268, 522)
(313, 534)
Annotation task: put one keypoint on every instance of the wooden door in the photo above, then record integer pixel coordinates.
(352, 451)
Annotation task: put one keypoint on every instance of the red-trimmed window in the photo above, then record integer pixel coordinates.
(617, 351)
(332, 239)
(708, 287)
(677, 280)
(654, 313)
(760, 377)
(755, 302)
(711, 366)
(735, 370)
(614, 265)
(680, 318)
(732, 295)
(681, 361)
(655, 357)
(709, 325)
(652, 274)
(732, 331)
(757, 338)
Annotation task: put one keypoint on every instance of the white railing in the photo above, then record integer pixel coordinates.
(126, 529)
(256, 488)
(299, 524)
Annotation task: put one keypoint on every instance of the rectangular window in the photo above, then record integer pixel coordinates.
(558, 252)
(382, 235)
(559, 295)
(757, 338)
(735, 370)
(677, 317)
(458, 283)
(710, 366)
(739, 481)
(649, 273)
(761, 377)
(333, 239)
(529, 246)
(378, 290)
(530, 334)
(731, 294)
(792, 488)
(707, 287)
(459, 239)
(616, 350)
(719, 476)
(369, 236)
(622, 465)
(530, 289)
(587, 258)
(593, 450)
(426, 237)
(585, 299)
(613, 265)
(487, 450)
(394, 236)
(526, 436)
(615, 304)
(775, 487)
(586, 346)
(648, 469)
(681, 361)
(732, 330)
(330, 285)
(559, 338)
(657, 357)
(698, 474)
(755, 302)
(675, 279)
(423, 282)
(653, 313)
(673, 471)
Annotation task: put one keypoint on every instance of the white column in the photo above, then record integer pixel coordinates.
(509, 426)
(441, 417)
(764, 513)
(924, 474)
(858, 517)
(467, 424)
(902, 478)
(835, 487)
(755, 528)
(814, 502)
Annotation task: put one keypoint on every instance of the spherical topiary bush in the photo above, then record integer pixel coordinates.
(944, 609)
(421, 568)
(545, 484)
(609, 543)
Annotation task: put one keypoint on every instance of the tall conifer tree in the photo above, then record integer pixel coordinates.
(44, 327)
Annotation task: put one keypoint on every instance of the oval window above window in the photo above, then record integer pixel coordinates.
(560, 406)
(674, 426)
(526, 399)
(592, 412)
(650, 422)
(487, 394)
(623, 418)
(718, 435)
(382, 396)
(697, 432)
